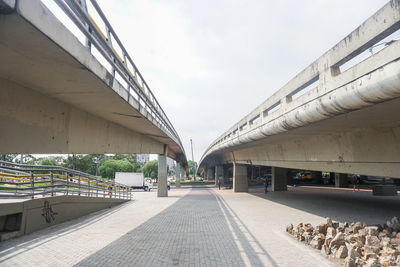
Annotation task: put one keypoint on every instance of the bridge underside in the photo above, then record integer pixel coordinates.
(56, 97)
(346, 120)
(32, 122)
(366, 142)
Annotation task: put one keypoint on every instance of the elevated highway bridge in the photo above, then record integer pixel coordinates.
(337, 115)
(58, 96)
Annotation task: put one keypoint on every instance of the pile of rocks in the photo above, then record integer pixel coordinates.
(357, 243)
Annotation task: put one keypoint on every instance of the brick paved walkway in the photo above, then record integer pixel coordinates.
(193, 232)
(199, 227)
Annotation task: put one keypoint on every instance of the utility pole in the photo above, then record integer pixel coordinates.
(194, 173)
(96, 161)
(73, 161)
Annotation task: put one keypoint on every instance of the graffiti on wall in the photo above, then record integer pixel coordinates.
(48, 213)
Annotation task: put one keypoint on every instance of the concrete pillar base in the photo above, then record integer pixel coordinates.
(240, 182)
(210, 174)
(183, 174)
(219, 174)
(384, 190)
(162, 190)
(317, 177)
(178, 175)
(279, 179)
(341, 180)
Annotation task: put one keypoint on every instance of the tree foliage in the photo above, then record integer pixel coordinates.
(84, 163)
(27, 159)
(192, 167)
(47, 161)
(150, 169)
(8, 157)
(111, 166)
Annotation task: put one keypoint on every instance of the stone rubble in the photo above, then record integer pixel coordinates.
(357, 244)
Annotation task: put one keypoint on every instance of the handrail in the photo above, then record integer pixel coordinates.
(77, 11)
(100, 12)
(22, 180)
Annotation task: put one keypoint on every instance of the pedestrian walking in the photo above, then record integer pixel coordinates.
(110, 188)
(356, 182)
(219, 184)
(265, 186)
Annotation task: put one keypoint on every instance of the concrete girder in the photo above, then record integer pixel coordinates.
(36, 123)
(348, 123)
(39, 54)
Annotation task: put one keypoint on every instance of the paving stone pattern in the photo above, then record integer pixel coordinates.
(192, 232)
(195, 227)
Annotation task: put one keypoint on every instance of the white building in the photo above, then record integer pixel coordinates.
(142, 158)
(171, 164)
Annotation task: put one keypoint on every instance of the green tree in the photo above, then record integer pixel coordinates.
(109, 167)
(83, 163)
(130, 158)
(8, 157)
(137, 167)
(150, 169)
(27, 159)
(48, 161)
(192, 167)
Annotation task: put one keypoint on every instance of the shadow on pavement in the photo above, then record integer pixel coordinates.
(242, 233)
(19, 245)
(340, 205)
(197, 230)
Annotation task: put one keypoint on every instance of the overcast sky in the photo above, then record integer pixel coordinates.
(209, 62)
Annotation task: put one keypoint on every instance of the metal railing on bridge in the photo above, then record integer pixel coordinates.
(327, 87)
(107, 44)
(30, 181)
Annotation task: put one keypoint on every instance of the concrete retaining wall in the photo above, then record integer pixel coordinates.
(23, 217)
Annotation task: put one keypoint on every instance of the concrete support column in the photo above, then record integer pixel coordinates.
(210, 174)
(341, 180)
(178, 175)
(316, 177)
(162, 190)
(331, 177)
(240, 183)
(279, 177)
(219, 173)
(183, 173)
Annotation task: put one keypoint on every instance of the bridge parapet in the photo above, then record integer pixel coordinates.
(107, 44)
(84, 75)
(328, 87)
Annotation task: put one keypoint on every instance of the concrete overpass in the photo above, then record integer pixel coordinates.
(59, 95)
(337, 115)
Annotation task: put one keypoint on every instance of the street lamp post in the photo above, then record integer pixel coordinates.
(96, 161)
